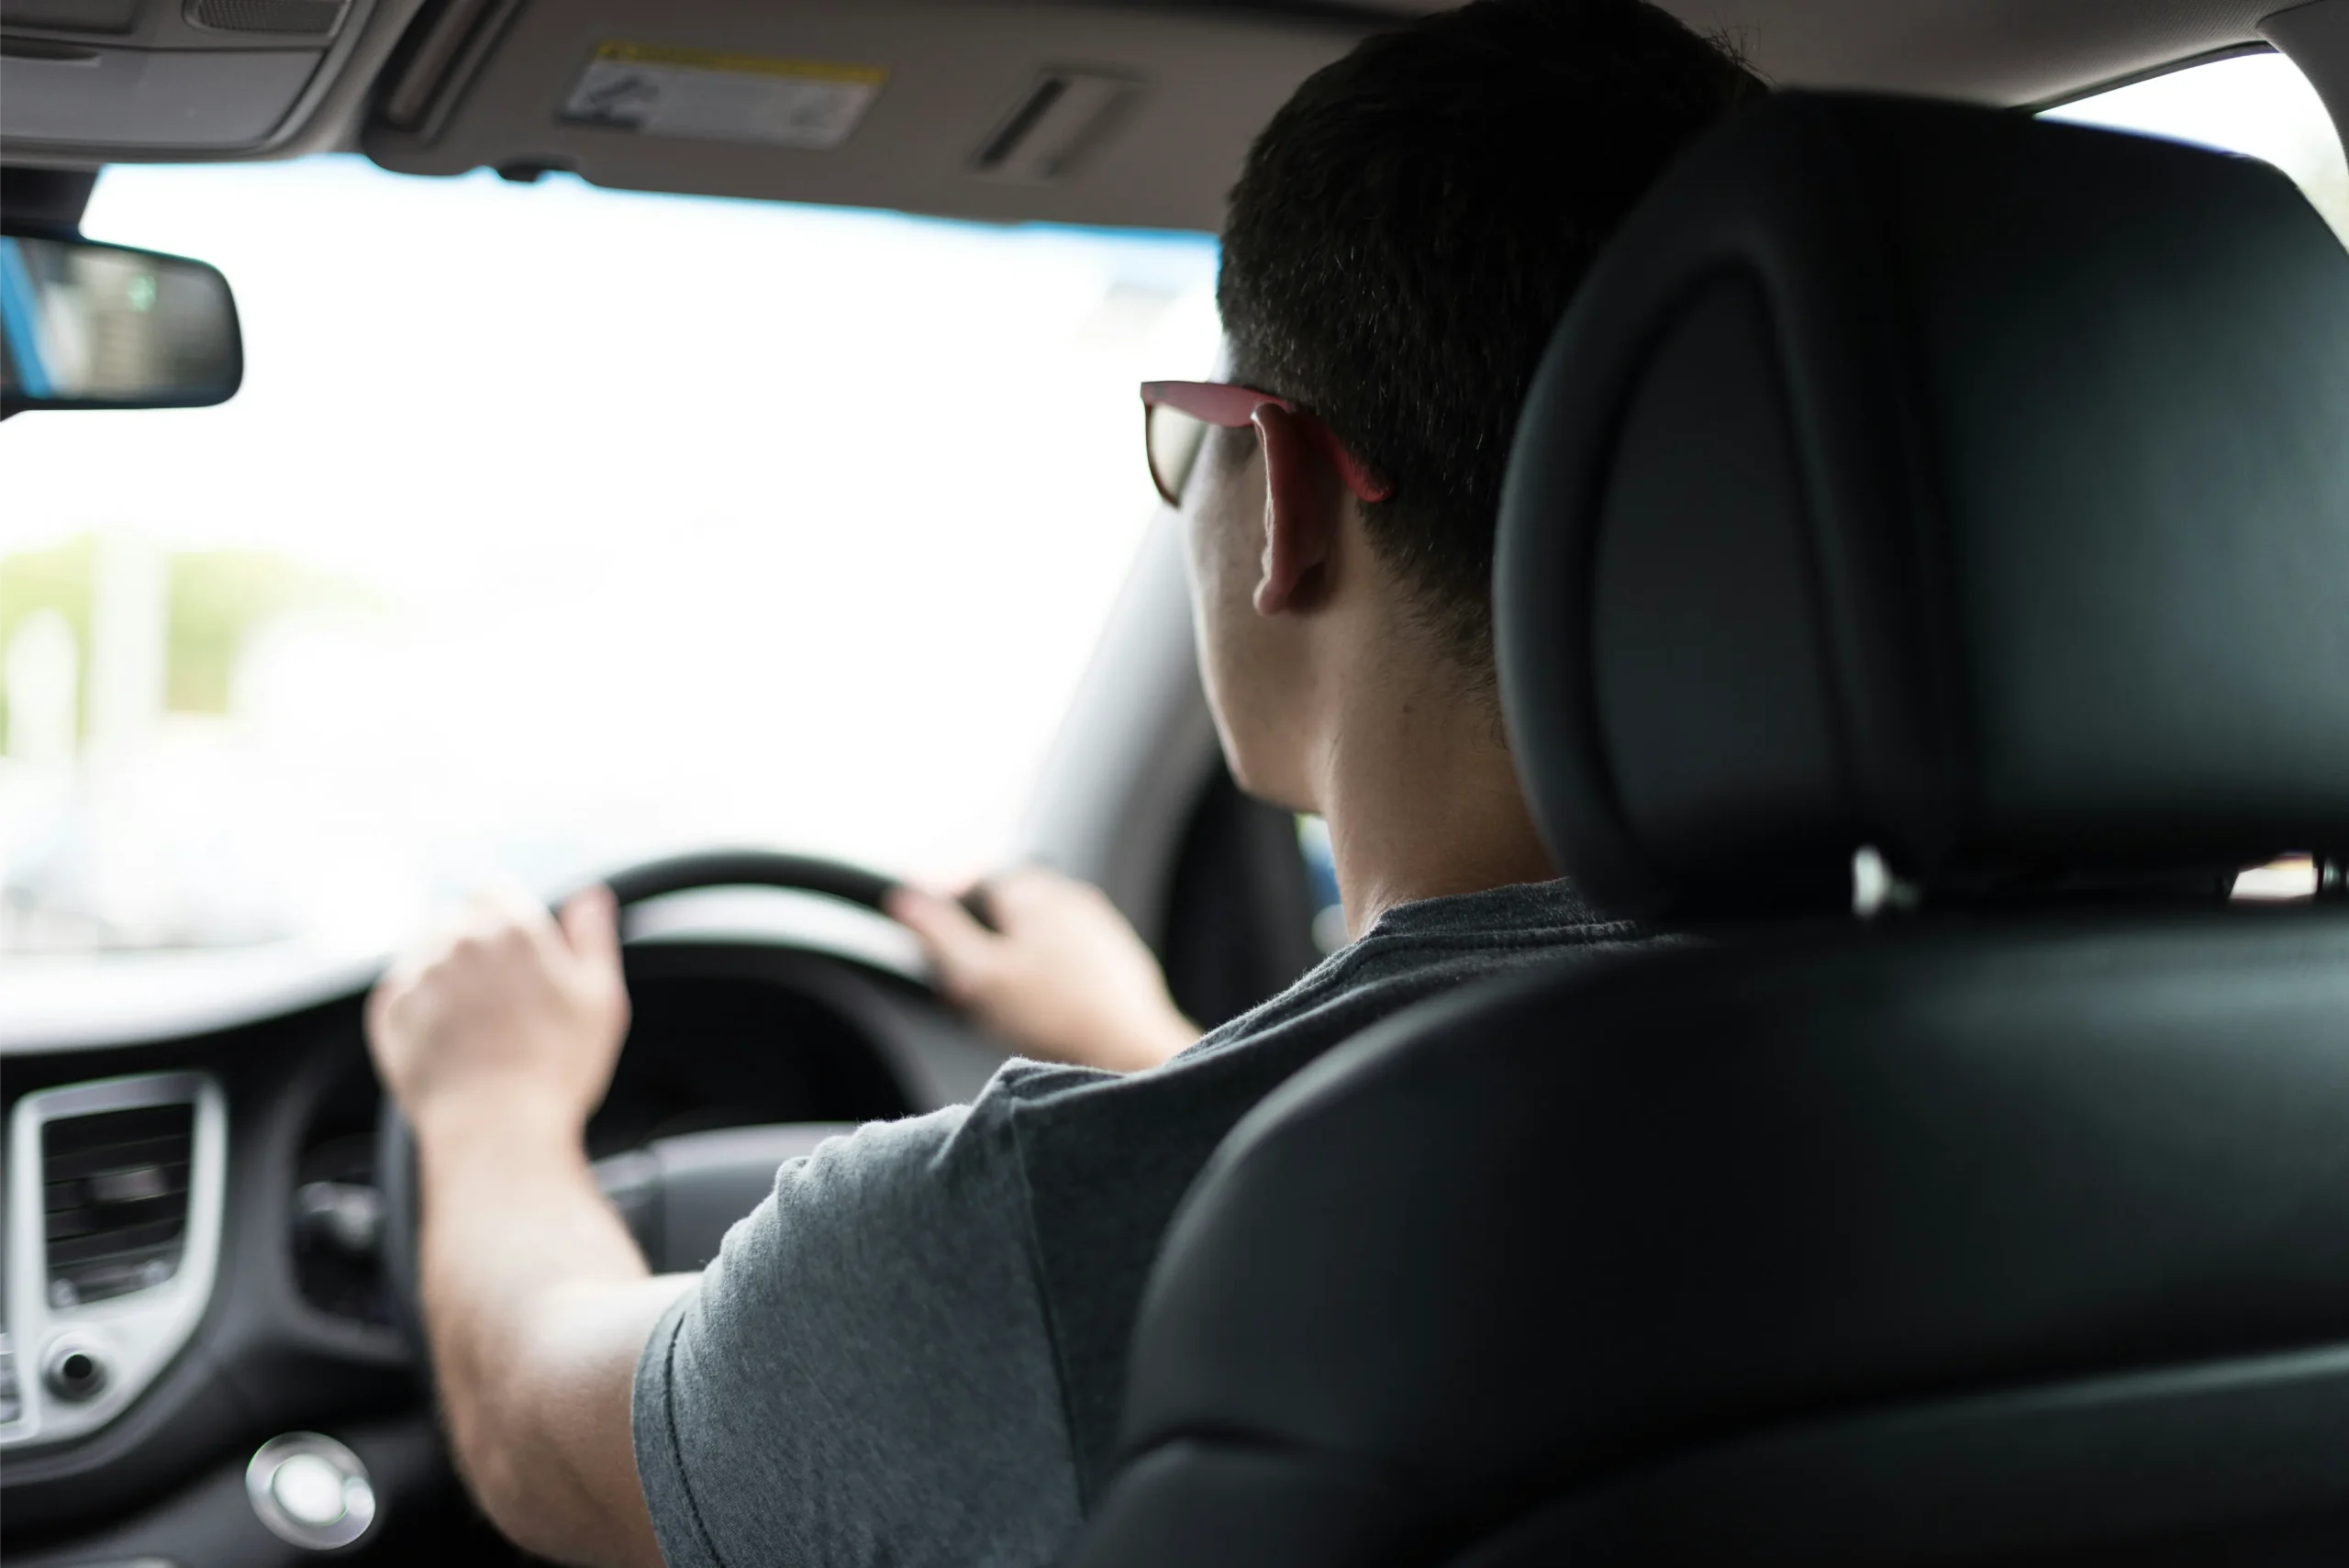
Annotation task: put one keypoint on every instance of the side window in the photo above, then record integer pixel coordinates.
(2259, 104)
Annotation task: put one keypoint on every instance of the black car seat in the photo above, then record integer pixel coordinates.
(1960, 498)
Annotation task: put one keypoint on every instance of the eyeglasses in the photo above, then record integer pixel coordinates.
(1176, 414)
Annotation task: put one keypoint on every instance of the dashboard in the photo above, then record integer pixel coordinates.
(201, 1346)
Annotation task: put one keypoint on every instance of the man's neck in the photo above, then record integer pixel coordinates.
(1422, 800)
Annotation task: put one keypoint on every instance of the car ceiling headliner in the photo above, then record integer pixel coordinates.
(1210, 72)
(1996, 52)
(1213, 73)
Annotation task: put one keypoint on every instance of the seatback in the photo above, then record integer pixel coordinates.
(1924, 580)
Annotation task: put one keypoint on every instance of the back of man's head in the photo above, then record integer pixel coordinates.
(1409, 226)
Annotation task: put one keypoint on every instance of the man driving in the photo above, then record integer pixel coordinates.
(913, 1351)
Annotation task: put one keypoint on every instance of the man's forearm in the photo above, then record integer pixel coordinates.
(537, 1302)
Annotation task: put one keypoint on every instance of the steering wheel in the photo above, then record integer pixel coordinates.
(677, 1195)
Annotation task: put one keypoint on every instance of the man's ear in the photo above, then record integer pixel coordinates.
(1302, 516)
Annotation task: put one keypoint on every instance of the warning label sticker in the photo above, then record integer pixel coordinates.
(722, 97)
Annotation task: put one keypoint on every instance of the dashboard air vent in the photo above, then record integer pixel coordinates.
(115, 1189)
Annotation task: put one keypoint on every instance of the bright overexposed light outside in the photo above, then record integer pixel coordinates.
(2259, 104)
(554, 527)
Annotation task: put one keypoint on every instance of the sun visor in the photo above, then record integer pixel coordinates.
(119, 80)
(1072, 113)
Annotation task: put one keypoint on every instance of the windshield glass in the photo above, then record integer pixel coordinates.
(556, 527)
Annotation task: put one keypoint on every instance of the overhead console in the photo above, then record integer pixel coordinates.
(1084, 114)
(86, 80)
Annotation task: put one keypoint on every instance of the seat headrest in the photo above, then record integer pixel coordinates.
(1936, 480)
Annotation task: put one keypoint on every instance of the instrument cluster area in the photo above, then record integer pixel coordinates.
(709, 1051)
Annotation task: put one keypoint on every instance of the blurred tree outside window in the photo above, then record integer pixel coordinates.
(214, 601)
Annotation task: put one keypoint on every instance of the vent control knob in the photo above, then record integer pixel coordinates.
(75, 1372)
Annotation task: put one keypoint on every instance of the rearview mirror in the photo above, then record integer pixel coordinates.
(85, 325)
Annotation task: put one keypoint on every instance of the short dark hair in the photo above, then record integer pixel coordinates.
(1409, 226)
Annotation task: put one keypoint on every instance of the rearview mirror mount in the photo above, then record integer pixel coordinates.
(84, 325)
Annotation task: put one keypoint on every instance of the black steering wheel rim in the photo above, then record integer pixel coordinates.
(749, 868)
(396, 1173)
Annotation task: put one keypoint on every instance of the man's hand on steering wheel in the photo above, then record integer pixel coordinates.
(507, 1016)
(1062, 976)
(496, 1039)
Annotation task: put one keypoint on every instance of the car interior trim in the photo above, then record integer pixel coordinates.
(1137, 746)
(2147, 73)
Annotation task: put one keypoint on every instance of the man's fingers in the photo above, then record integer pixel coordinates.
(503, 907)
(958, 945)
(1027, 893)
(379, 1004)
(590, 923)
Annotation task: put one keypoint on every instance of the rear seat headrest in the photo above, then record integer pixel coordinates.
(1937, 480)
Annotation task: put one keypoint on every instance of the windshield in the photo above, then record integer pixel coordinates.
(555, 527)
